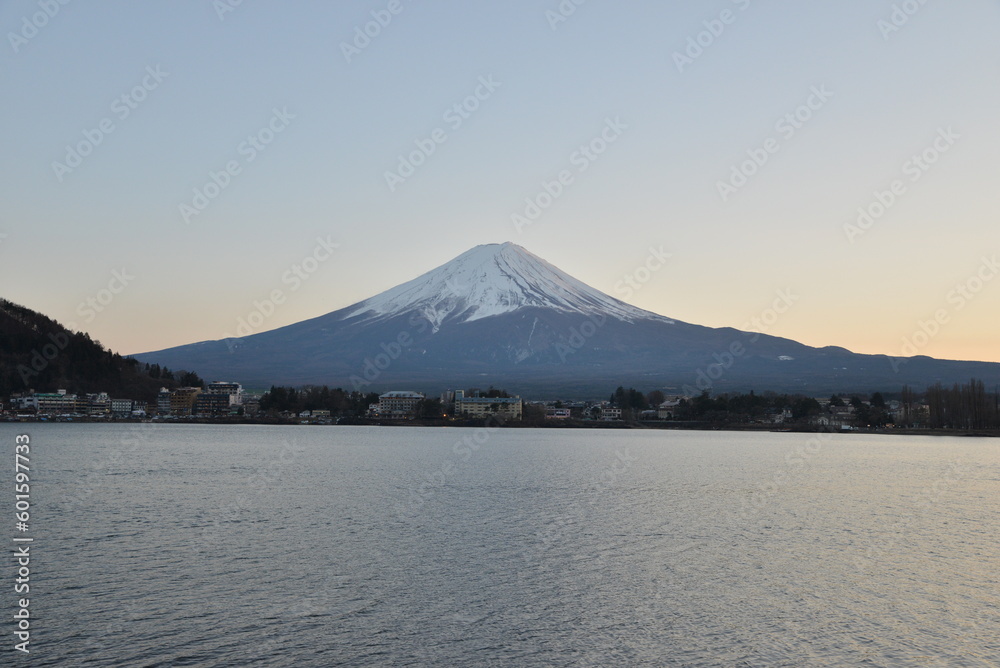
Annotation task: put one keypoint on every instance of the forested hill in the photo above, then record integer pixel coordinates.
(36, 352)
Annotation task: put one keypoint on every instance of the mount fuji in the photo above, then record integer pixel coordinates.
(492, 280)
(499, 315)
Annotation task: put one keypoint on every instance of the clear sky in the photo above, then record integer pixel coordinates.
(121, 119)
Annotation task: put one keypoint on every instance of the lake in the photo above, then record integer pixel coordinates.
(205, 545)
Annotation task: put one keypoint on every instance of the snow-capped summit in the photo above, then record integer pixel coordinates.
(493, 279)
(498, 315)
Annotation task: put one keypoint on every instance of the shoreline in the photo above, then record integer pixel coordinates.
(550, 424)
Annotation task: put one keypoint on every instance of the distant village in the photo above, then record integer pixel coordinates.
(226, 401)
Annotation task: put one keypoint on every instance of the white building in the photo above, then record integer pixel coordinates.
(121, 408)
(610, 413)
(399, 404)
(234, 390)
(163, 401)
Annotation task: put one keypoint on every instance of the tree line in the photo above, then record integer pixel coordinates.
(726, 407)
(343, 403)
(38, 353)
(338, 401)
(962, 406)
(967, 406)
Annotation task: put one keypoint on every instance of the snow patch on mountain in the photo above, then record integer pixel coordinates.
(493, 279)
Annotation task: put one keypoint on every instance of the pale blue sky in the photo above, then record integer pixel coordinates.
(323, 175)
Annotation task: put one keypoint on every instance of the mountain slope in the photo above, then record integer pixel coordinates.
(36, 352)
(499, 315)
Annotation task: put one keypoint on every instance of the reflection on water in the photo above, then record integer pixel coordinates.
(303, 546)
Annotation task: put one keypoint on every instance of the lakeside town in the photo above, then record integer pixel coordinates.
(967, 407)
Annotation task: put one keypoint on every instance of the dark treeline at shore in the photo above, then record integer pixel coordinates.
(960, 407)
(968, 406)
(37, 353)
(339, 402)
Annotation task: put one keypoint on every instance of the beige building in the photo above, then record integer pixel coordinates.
(668, 410)
(182, 400)
(508, 407)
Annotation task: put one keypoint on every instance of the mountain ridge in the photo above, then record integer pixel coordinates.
(497, 314)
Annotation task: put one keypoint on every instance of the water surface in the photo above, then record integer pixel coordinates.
(177, 545)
